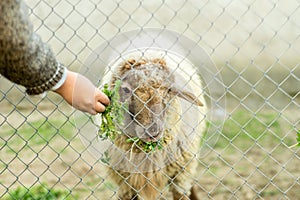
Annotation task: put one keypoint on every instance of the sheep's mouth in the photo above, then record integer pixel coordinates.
(149, 134)
(152, 138)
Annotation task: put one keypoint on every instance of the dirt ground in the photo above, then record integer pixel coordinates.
(259, 171)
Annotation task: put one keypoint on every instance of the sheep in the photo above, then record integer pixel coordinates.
(159, 107)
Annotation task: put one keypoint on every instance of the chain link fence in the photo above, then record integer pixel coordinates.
(255, 46)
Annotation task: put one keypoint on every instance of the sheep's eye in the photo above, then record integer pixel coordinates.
(126, 90)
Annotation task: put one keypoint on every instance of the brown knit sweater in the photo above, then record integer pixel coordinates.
(24, 58)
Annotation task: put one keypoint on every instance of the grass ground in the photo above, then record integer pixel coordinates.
(252, 159)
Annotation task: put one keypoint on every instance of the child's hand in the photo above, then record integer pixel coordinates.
(79, 92)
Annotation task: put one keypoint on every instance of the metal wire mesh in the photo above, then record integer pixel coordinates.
(255, 46)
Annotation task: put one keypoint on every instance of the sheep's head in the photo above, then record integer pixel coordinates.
(147, 90)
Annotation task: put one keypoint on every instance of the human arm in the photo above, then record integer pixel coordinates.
(26, 60)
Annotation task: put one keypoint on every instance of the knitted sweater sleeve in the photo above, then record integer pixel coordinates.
(24, 58)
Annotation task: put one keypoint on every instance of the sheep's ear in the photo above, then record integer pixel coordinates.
(186, 95)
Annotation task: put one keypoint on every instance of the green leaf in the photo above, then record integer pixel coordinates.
(298, 138)
(105, 158)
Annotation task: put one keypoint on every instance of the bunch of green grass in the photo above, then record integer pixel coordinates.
(114, 113)
(145, 146)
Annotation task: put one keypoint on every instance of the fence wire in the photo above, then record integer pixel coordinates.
(255, 46)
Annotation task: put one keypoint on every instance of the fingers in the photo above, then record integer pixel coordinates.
(101, 100)
(99, 108)
(101, 97)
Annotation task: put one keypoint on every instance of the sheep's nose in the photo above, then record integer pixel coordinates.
(154, 129)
